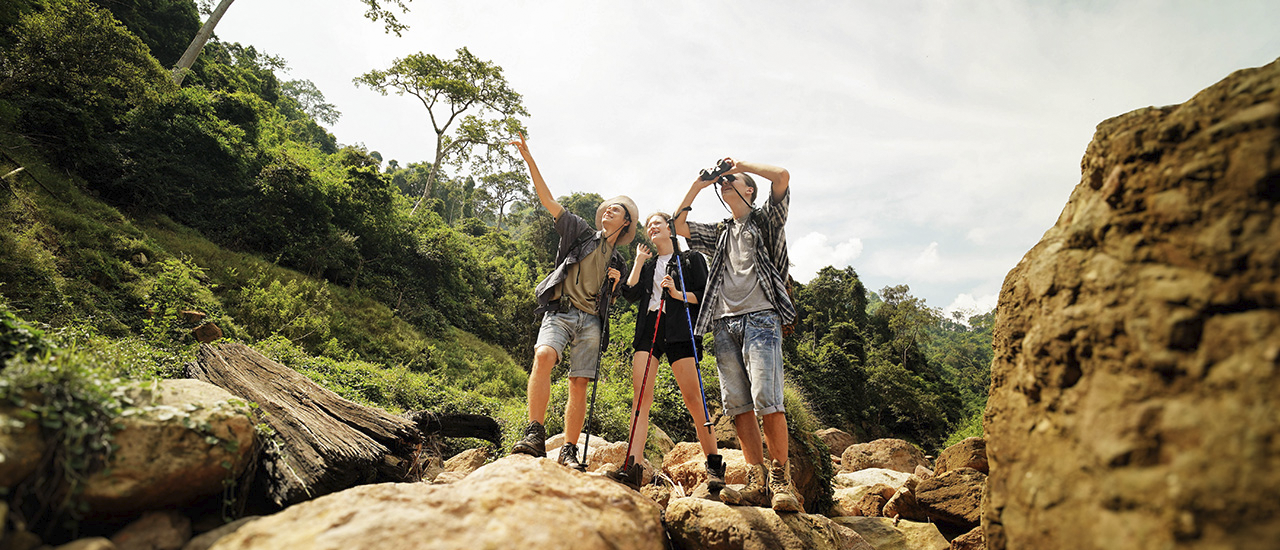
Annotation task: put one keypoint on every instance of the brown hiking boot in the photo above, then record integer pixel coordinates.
(755, 493)
(784, 492)
(629, 475)
(569, 457)
(534, 442)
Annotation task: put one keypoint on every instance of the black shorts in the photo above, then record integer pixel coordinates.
(674, 351)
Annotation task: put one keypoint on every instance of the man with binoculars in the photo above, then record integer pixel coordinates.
(745, 306)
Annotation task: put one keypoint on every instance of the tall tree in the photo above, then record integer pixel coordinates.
(375, 12)
(465, 90)
(505, 187)
(909, 318)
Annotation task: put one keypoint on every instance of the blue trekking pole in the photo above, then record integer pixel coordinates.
(684, 295)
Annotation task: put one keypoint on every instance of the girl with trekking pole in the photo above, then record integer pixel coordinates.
(662, 328)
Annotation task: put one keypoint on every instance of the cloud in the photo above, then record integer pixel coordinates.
(969, 304)
(816, 251)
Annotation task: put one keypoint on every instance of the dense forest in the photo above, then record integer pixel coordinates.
(129, 200)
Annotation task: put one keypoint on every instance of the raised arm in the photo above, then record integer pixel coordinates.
(680, 221)
(539, 185)
(778, 176)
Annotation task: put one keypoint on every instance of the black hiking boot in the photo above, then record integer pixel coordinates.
(627, 474)
(569, 457)
(534, 442)
(715, 473)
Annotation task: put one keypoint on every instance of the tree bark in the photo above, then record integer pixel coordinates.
(193, 51)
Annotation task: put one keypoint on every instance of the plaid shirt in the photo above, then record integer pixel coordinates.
(767, 225)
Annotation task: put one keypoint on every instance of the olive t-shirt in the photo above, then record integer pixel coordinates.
(582, 280)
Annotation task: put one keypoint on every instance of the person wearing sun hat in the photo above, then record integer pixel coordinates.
(571, 300)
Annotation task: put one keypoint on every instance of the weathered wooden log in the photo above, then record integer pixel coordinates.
(457, 425)
(327, 443)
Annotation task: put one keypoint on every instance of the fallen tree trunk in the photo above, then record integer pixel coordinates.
(325, 443)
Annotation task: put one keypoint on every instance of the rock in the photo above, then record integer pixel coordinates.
(516, 501)
(886, 534)
(954, 498)
(837, 440)
(21, 445)
(1137, 345)
(139, 259)
(21, 540)
(969, 541)
(871, 504)
(154, 531)
(657, 492)
(181, 440)
(207, 333)
(696, 524)
(204, 540)
(726, 434)
(686, 466)
(969, 453)
(871, 476)
(892, 454)
(660, 440)
(845, 501)
(903, 503)
(467, 461)
(92, 543)
(191, 317)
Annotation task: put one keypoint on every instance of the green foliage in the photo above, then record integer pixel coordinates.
(165, 26)
(73, 72)
(963, 346)
(19, 340)
(969, 427)
(297, 309)
(178, 287)
(75, 405)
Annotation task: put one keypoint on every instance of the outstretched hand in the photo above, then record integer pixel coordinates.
(521, 145)
(643, 253)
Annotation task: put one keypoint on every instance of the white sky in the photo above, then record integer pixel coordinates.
(930, 143)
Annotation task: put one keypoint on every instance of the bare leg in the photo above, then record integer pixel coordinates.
(642, 423)
(686, 374)
(544, 359)
(775, 433)
(749, 437)
(575, 411)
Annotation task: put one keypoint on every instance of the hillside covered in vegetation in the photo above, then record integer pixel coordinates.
(129, 200)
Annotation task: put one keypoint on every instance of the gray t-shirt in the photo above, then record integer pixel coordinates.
(741, 293)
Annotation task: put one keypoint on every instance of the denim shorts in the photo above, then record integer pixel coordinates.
(575, 327)
(749, 360)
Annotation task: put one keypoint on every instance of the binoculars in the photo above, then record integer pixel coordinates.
(721, 167)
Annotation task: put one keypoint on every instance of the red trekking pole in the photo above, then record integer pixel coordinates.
(644, 381)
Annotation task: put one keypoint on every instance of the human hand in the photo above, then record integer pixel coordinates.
(521, 145)
(643, 253)
(616, 276)
(670, 284)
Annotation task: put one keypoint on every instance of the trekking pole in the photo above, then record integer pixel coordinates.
(684, 295)
(644, 381)
(604, 344)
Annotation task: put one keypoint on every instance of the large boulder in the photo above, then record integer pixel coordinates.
(892, 454)
(968, 453)
(837, 440)
(953, 498)
(886, 534)
(1137, 345)
(181, 441)
(21, 445)
(697, 524)
(515, 502)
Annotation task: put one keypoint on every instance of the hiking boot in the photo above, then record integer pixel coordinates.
(534, 442)
(627, 475)
(784, 492)
(755, 493)
(715, 473)
(569, 457)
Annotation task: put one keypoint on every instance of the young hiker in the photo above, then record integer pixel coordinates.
(745, 306)
(572, 300)
(654, 285)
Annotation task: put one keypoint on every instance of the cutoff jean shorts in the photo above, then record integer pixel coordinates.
(748, 352)
(575, 327)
